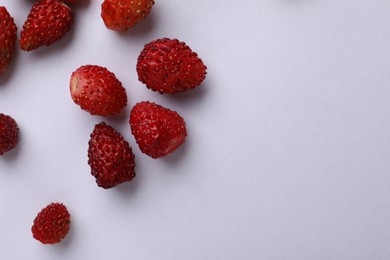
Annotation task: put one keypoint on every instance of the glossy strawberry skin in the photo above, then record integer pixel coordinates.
(52, 224)
(170, 66)
(120, 15)
(158, 131)
(97, 90)
(47, 22)
(8, 38)
(110, 157)
(9, 133)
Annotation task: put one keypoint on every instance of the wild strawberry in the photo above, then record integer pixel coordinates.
(9, 133)
(51, 224)
(47, 22)
(170, 66)
(110, 157)
(7, 38)
(120, 15)
(96, 90)
(157, 130)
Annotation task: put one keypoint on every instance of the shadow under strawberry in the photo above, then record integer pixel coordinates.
(127, 189)
(190, 97)
(80, 4)
(177, 157)
(118, 119)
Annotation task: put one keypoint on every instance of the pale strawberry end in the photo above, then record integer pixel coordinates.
(73, 84)
(174, 144)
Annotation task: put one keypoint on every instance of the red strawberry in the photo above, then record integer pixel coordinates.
(51, 224)
(170, 66)
(157, 130)
(9, 133)
(96, 90)
(7, 38)
(110, 157)
(120, 15)
(47, 22)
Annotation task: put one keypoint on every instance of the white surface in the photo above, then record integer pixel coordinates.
(288, 154)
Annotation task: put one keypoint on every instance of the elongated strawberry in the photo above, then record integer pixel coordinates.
(47, 22)
(51, 224)
(9, 133)
(110, 157)
(158, 131)
(7, 38)
(120, 15)
(97, 90)
(170, 66)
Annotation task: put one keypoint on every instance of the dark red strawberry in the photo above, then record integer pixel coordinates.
(47, 22)
(96, 90)
(157, 130)
(110, 157)
(170, 66)
(51, 224)
(7, 38)
(9, 133)
(120, 15)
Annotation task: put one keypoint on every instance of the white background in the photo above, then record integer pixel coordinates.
(288, 153)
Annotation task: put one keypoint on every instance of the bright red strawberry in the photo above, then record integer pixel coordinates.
(120, 15)
(110, 157)
(97, 90)
(51, 224)
(7, 38)
(47, 22)
(157, 130)
(170, 66)
(9, 133)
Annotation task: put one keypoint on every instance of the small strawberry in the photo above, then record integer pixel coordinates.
(47, 22)
(120, 15)
(170, 66)
(51, 224)
(157, 130)
(9, 133)
(110, 157)
(97, 90)
(7, 38)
